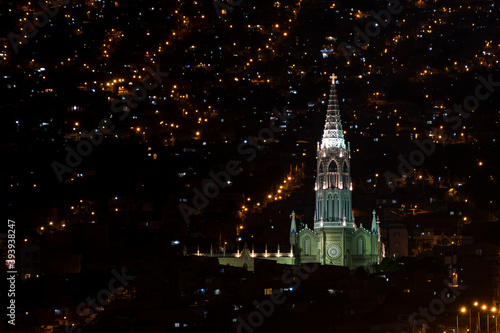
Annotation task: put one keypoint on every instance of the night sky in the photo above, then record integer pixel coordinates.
(115, 115)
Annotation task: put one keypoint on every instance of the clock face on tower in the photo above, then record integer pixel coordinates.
(333, 251)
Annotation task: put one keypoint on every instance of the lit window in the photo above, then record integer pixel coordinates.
(307, 246)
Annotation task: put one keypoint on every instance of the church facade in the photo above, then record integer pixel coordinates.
(335, 239)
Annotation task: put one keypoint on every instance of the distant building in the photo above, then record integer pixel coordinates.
(425, 241)
(395, 240)
(37, 261)
(476, 266)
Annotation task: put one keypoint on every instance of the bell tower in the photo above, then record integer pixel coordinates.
(333, 220)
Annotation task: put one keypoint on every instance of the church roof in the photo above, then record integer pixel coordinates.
(333, 135)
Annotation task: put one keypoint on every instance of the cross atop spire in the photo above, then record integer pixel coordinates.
(333, 135)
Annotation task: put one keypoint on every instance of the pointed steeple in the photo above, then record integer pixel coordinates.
(293, 225)
(293, 230)
(333, 135)
(374, 222)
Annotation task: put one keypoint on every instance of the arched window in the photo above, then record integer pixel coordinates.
(320, 206)
(345, 175)
(345, 210)
(336, 206)
(327, 213)
(307, 246)
(329, 206)
(332, 167)
(361, 245)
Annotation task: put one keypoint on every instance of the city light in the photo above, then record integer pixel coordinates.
(385, 170)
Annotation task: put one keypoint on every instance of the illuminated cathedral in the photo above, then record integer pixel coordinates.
(335, 238)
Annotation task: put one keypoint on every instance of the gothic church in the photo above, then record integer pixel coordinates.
(335, 240)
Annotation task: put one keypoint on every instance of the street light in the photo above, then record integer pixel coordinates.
(462, 310)
(493, 309)
(478, 324)
(484, 307)
(496, 318)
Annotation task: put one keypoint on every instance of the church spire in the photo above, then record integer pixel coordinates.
(333, 135)
(293, 230)
(374, 222)
(333, 181)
